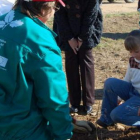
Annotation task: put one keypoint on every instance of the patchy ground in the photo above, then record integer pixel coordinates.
(111, 60)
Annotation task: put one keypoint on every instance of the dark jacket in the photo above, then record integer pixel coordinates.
(80, 18)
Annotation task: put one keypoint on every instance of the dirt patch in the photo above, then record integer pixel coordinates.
(111, 60)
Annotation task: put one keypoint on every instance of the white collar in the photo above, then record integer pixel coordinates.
(137, 60)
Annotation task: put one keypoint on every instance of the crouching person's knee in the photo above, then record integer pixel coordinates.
(109, 83)
(115, 116)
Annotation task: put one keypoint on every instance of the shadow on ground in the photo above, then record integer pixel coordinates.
(115, 2)
(115, 36)
(105, 134)
(98, 94)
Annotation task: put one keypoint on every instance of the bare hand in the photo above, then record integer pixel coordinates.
(74, 45)
(79, 44)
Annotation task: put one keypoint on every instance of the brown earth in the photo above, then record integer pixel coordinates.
(111, 60)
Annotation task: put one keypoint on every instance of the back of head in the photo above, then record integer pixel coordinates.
(132, 41)
(34, 8)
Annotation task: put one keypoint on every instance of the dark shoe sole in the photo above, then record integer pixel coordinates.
(100, 123)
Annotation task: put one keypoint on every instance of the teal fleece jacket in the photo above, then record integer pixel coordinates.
(33, 96)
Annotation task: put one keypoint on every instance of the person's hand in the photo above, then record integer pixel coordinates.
(73, 44)
(120, 101)
(79, 44)
(82, 126)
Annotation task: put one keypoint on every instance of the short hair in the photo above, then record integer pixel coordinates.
(33, 8)
(132, 41)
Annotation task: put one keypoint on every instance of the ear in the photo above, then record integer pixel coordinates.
(43, 12)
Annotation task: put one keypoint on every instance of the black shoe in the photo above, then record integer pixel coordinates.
(73, 109)
(88, 109)
(100, 123)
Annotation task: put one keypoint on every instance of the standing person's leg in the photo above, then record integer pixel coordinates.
(128, 112)
(87, 77)
(73, 79)
(112, 89)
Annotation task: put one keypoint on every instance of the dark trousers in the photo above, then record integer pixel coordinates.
(80, 73)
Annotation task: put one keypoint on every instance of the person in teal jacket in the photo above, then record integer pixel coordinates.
(33, 96)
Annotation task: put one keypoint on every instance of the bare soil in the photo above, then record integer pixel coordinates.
(111, 60)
